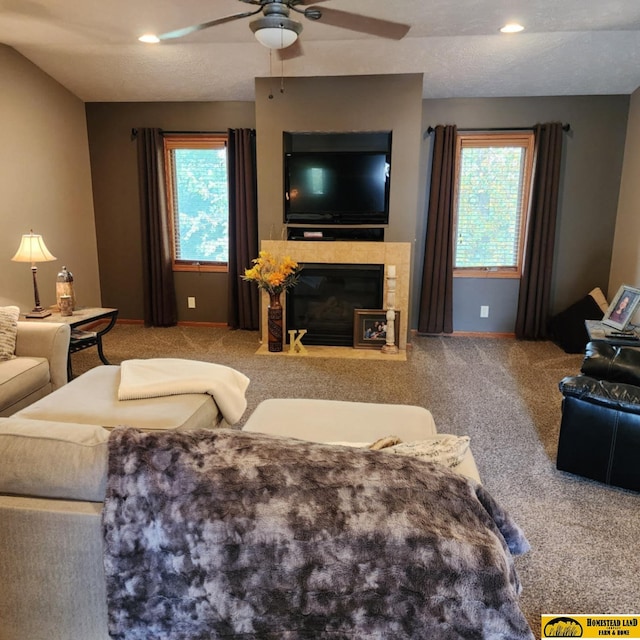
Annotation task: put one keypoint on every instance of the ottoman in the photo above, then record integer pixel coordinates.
(92, 398)
(345, 422)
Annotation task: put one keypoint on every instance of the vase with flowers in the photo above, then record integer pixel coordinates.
(274, 276)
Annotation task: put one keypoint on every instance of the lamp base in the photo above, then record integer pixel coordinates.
(38, 313)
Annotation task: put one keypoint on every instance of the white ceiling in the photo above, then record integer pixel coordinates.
(569, 47)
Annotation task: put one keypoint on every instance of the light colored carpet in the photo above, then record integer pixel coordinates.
(501, 392)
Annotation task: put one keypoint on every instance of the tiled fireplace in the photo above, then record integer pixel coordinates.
(350, 253)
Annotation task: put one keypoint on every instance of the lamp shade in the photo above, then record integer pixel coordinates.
(33, 249)
(276, 32)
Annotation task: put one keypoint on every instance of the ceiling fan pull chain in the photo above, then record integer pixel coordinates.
(270, 74)
(281, 76)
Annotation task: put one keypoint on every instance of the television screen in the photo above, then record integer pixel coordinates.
(337, 187)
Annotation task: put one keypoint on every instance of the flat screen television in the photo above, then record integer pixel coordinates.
(337, 187)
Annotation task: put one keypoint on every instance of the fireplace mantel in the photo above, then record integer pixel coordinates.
(395, 253)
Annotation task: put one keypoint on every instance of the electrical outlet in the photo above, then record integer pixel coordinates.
(484, 311)
(191, 302)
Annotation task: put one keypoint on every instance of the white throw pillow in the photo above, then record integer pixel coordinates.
(355, 445)
(601, 301)
(444, 449)
(8, 331)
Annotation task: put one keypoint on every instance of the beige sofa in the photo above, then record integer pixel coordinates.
(52, 483)
(40, 365)
(53, 468)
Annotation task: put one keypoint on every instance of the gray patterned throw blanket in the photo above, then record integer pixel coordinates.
(234, 535)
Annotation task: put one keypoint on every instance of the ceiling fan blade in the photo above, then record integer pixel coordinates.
(180, 33)
(307, 2)
(291, 52)
(364, 24)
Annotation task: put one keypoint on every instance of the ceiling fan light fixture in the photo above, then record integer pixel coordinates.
(276, 32)
(512, 27)
(149, 38)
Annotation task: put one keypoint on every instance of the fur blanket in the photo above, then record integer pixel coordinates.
(227, 534)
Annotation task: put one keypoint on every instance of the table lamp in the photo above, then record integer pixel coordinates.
(33, 249)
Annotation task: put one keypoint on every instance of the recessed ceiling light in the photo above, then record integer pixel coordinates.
(149, 38)
(512, 27)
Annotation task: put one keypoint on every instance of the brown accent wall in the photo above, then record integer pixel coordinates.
(588, 204)
(115, 189)
(45, 184)
(590, 179)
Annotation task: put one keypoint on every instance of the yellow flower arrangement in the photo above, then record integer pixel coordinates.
(273, 275)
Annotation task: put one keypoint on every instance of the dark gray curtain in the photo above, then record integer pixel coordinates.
(243, 308)
(157, 272)
(535, 285)
(436, 298)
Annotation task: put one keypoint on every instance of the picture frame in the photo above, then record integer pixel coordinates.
(367, 332)
(622, 308)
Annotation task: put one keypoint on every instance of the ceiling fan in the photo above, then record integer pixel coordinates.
(276, 30)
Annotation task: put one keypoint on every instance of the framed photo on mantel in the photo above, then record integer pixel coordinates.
(370, 328)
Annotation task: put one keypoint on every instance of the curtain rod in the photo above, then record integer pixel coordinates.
(134, 133)
(565, 127)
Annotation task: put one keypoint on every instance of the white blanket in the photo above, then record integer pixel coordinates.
(174, 376)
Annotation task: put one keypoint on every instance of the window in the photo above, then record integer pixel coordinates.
(198, 199)
(493, 178)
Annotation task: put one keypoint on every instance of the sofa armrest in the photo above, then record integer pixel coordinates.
(613, 395)
(48, 340)
(613, 363)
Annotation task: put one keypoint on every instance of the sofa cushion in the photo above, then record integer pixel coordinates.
(53, 459)
(336, 420)
(8, 331)
(92, 398)
(21, 377)
(349, 423)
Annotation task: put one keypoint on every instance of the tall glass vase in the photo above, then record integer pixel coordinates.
(274, 315)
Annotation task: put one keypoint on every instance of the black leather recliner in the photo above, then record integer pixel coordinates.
(600, 428)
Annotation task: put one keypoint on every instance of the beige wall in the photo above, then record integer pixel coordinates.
(625, 262)
(45, 184)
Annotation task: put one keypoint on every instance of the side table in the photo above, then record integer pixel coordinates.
(81, 339)
(599, 331)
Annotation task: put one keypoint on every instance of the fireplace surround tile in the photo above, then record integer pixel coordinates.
(396, 253)
(319, 351)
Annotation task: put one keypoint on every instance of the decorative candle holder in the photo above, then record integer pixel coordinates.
(66, 306)
(390, 347)
(64, 287)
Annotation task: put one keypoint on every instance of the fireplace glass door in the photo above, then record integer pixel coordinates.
(324, 299)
